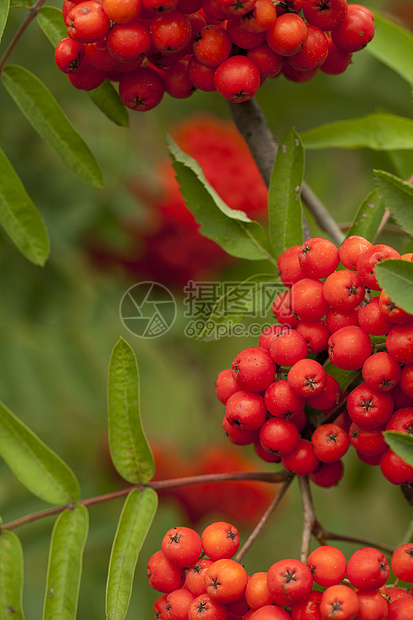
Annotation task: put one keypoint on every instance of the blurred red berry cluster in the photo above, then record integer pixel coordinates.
(166, 245)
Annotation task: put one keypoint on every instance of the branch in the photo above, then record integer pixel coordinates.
(160, 485)
(31, 15)
(253, 127)
(309, 518)
(264, 519)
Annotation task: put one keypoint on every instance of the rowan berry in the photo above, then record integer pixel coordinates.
(337, 62)
(194, 579)
(261, 16)
(406, 380)
(325, 14)
(256, 590)
(142, 89)
(86, 77)
(305, 298)
(281, 400)
(372, 320)
(243, 38)
(238, 436)
(159, 608)
(289, 582)
(368, 442)
(328, 474)
(182, 546)
(203, 607)
(212, 46)
(237, 79)
(289, 268)
(329, 397)
(220, 540)
(171, 31)
(339, 602)
(401, 421)
(225, 580)
(399, 343)
(287, 34)
(282, 311)
(87, 22)
(288, 347)
(372, 605)
(343, 290)
(318, 257)
(368, 568)
(315, 334)
(163, 575)
(202, 77)
(178, 603)
(381, 372)
(307, 378)
(267, 335)
(401, 609)
(354, 32)
(401, 562)
(122, 11)
(395, 469)
(270, 612)
(349, 347)
(336, 320)
(309, 610)
(246, 411)
(278, 436)
(268, 62)
(68, 55)
(177, 81)
(253, 369)
(225, 385)
(368, 260)
(330, 443)
(129, 42)
(327, 565)
(369, 408)
(302, 459)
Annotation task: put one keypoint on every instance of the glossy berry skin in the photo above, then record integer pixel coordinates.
(260, 18)
(225, 580)
(163, 575)
(287, 34)
(171, 31)
(142, 89)
(309, 610)
(381, 372)
(225, 385)
(86, 77)
(325, 14)
(278, 436)
(368, 408)
(202, 77)
(269, 612)
(129, 42)
(256, 590)
(289, 268)
(339, 602)
(281, 400)
(327, 565)
(178, 603)
(351, 249)
(399, 343)
(69, 54)
(394, 469)
(368, 568)
(268, 62)
(87, 22)
(289, 582)
(205, 608)
(368, 260)
(343, 290)
(330, 443)
(349, 348)
(182, 546)
(246, 411)
(354, 32)
(194, 579)
(253, 369)
(122, 11)
(402, 562)
(306, 300)
(402, 609)
(307, 378)
(372, 320)
(220, 540)
(302, 459)
(177, 82)
(212, 46)
(318, 257)
(312, 55)
(327, 474)
(241, 37)
(368, 442)
(288, 348)
(237, 79)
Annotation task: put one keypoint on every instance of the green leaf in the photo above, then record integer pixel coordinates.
(4, 13)
(395, 276)
(398, 196)
(129, 448)
(19, 216)
(284, 201)
(48, 119)
(251, 298)
(134, 523)
(65, 564)
(11, 576)
(25, 3)
(107, 99)
(51, 22)
(40, 469)
(231, 229)
(368, 217)
(378, 131)
(401, 444)
(393, 46)
(344, 377)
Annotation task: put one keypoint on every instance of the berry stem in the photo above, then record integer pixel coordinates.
(264, 519)
(320, 533)
(31, 15)
(253, 127)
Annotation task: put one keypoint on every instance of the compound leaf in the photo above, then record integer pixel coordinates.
(51, 22)
(65, 564)
(401, 444)
(40, 469)
(129, 448)
(368, 217)
(395, 277)
(48, 119)
(398, 196)
(231, 229)
(379, 131)
(284, 200)
(4, 13)
(19, 216)
(11, 576)
(393, 46)
(135, 521)
(107, 99)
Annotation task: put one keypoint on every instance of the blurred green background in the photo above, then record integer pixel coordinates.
(59, 324)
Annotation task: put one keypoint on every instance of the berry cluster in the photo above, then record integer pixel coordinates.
(231, 46)
(200, 580)
(278, 395)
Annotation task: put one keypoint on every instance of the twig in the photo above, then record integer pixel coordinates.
(270, 477)
(252, 125)
(264, 519)
(309, 518)
(320, 533)
(31, 15)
